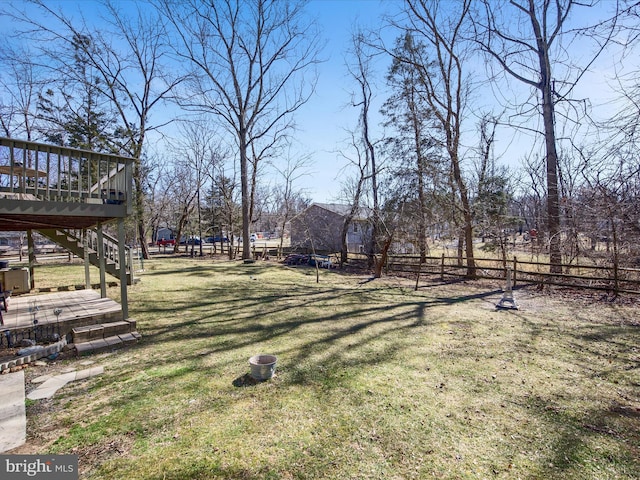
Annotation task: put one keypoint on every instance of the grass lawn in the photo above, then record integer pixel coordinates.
(374, 381)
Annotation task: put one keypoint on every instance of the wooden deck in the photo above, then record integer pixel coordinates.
(48, 186)
(77, 308)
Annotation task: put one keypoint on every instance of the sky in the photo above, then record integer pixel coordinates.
(323, 122)
(325, 119)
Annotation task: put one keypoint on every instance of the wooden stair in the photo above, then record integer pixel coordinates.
(74, 244)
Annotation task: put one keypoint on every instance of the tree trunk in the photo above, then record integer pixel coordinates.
(616, 256)
(468, 241)
(375, 224)
(466, 215)
(344, 254)
(553, 200)
(246, 202)
(198, 206)
(379, 264)
(139, 211)
(548, 116)
(422, 214)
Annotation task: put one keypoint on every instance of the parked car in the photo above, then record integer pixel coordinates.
(163, 242)
(190, 241)
(216, 239)
(252, 238)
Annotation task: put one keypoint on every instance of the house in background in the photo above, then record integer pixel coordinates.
(320, 226)
(164, 234)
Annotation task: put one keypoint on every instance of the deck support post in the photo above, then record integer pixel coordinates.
(32, 259)
(87, 264)
(102, 260)
(122, 256)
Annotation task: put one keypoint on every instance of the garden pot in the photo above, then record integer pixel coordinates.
(262, 366)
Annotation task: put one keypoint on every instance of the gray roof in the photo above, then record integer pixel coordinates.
(343, 210)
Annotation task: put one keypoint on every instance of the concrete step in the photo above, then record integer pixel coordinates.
(107, 344)
(102, 330)
(104, 337)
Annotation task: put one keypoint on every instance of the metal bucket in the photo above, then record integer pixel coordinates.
(262, 366)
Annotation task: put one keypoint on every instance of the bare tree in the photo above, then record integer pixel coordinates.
(226, 202)
(361, 71)
(490, 203)
(610, 200)
(353, 189)
(526, 40)
(132, 71)
(21, 83)
(249, 60)
(179, 185)
(158, 202)
(531, 198)
(288, 198)
(198, 152)
(444, 84)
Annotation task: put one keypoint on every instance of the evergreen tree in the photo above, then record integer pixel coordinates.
(414, 143)
(76, 114)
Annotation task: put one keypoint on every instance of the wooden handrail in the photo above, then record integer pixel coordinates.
(51, 172)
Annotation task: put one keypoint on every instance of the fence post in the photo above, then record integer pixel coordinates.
(515, 269)
(418, 275)
(442, 269)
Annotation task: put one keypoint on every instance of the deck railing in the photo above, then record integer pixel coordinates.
(35, 171)
(109, 249)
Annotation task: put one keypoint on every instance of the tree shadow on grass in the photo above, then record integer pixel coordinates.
(350, 330)
(233, 326)
(283, 308)
(580, 443)
(283, 311)
(204, 270)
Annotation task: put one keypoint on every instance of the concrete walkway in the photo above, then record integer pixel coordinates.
(13, 419)
(50, 386)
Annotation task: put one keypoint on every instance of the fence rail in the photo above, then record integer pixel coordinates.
(598, 277)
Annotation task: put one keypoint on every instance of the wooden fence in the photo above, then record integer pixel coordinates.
(598, 277)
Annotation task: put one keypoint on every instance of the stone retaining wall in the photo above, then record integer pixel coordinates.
(6, 366)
